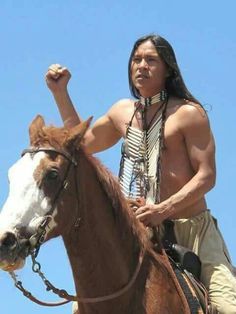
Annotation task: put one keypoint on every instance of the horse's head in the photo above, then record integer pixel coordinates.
(36, 182)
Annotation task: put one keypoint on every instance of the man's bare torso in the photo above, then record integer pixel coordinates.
(176, 168)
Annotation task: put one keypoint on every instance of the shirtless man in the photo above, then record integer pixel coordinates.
(187, 159)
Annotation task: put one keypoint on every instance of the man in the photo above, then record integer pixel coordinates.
(167, 156)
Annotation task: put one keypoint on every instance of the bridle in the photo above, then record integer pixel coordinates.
(38, 238)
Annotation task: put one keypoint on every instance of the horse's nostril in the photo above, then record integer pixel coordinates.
(8, 240)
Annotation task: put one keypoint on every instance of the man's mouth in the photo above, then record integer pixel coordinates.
(142, 76)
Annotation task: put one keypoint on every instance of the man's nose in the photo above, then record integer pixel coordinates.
(143, 64)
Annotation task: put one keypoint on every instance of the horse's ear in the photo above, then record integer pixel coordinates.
(36, 125)
(77, 132)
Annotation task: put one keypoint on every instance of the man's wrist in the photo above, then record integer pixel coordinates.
(167, 208)
(61, 93)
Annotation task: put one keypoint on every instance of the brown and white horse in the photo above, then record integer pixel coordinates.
(56, 179)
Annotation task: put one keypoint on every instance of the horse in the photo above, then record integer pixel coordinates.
(57, 189)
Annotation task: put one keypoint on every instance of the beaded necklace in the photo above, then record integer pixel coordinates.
(140, 161)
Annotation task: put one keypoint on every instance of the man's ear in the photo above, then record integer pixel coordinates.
(35, 128)
(76, 133)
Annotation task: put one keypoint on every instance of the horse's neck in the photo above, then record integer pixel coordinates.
(102, 251)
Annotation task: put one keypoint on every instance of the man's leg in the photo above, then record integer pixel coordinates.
(221, 285)
(201, 235)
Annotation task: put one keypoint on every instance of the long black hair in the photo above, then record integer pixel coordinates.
(175, 85)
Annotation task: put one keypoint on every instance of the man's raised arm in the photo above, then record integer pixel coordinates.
(102, 135)
(57, 79)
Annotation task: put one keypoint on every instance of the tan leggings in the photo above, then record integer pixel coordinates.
(201, 235)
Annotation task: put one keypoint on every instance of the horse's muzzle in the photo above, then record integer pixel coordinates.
(12, 251)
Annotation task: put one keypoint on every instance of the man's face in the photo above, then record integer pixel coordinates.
(148, 71)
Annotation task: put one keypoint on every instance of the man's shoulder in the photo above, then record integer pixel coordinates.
(124, 102)
(121, 105)
(190, 115)
(187, 109)
(193, 112)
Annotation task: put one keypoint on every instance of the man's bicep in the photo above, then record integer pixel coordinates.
(202, 153)
(200, 143)
(101, 135)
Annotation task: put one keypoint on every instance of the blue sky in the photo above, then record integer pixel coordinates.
(94, 39)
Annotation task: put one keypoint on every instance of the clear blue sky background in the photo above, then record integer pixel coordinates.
(94, 39)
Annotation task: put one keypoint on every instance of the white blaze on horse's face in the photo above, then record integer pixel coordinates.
(26, 204)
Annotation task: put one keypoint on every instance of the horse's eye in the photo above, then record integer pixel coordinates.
(52, 174)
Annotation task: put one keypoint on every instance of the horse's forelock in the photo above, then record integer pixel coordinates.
(63, 138)
(50, 136)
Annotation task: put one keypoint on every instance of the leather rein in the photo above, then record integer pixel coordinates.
(37, 239)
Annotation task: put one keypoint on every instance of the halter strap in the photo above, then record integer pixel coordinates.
(34, 150)
(27, 294)
(37, 239)
(68, 298)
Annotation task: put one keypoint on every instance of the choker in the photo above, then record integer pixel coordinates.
(154, 99)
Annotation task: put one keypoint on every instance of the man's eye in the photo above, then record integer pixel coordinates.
(152, 59)
(137, 60)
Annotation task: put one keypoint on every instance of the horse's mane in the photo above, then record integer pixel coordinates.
(124, 216)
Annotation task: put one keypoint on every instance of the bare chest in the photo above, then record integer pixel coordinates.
(172, 137)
